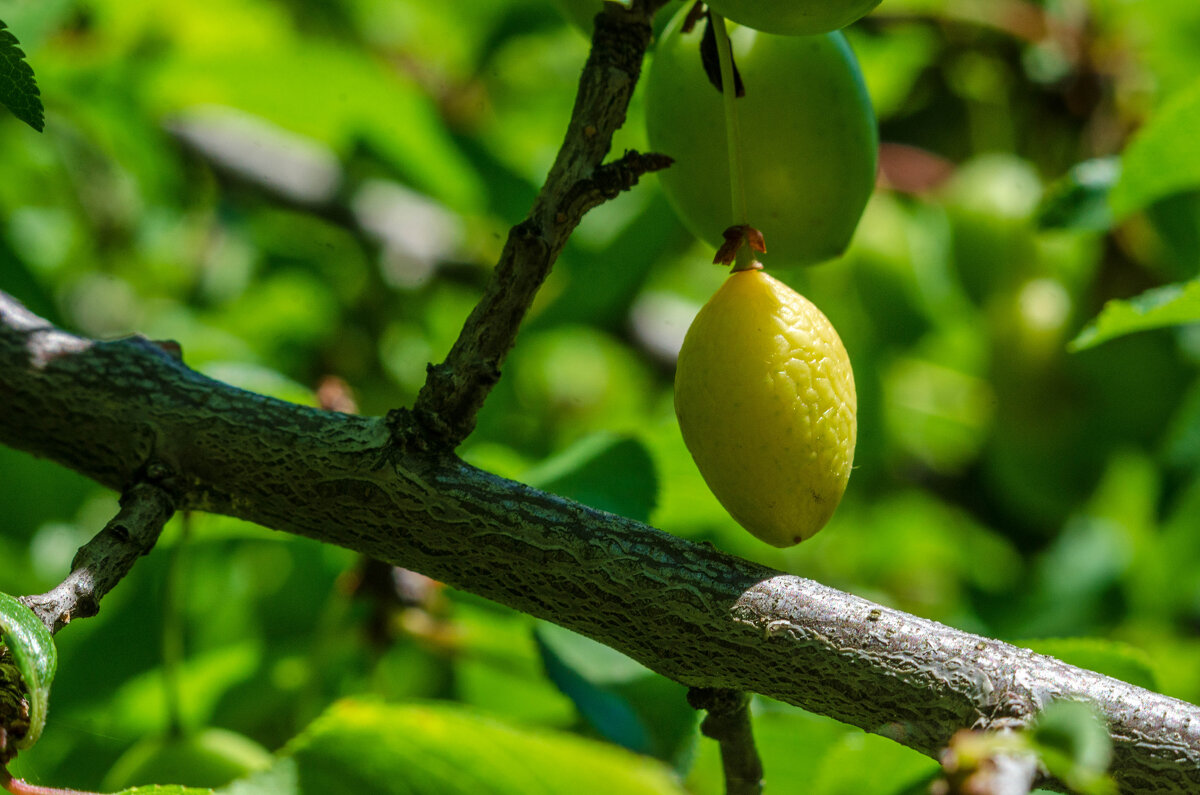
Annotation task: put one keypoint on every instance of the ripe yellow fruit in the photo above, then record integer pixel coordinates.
(765, 398)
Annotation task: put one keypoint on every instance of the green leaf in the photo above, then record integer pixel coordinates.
(1112, 658)
(36, 658)
(208, 758)
(622, 700)
(1075, 747)
(1080, 199)
(18, 89)
(1170, 305)
(164, 789)
(1162, 159)
(861, 762)
(359, 746)
(808, 754)
(497, 667)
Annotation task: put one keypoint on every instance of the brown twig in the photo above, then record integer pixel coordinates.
(455, 389)
(728, 722)
(106, 559)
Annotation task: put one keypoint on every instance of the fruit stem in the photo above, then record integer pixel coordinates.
(746, 261)
(733, 138)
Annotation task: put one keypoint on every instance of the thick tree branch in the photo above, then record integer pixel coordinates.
(446, 407)
(692, 613)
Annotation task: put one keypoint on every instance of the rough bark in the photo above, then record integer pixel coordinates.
(105, 560)
(111, 410)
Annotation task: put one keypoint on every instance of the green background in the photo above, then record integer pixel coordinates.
(1004, 483)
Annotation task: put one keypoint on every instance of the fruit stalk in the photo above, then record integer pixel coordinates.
(733, 138)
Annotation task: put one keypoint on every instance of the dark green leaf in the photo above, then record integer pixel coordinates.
(18, 89)
(1172, 305)
(33, 653)
(1080, 199)
(621, 700)
(613, 718)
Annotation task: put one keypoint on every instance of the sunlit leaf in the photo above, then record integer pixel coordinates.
(36, 659)
(207, 758)
(18, 88)
(1162, 158)
(358, 747)
(1172, 305)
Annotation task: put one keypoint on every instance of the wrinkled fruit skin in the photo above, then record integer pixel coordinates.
(765, 398)
(793, 17)
(809, 141)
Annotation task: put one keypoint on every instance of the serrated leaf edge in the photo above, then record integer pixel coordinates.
(37, 117)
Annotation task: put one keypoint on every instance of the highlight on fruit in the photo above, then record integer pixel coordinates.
(765, 397)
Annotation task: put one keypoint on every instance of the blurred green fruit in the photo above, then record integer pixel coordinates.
(808, 139)
(793, 17)
(208, 758)
(991, 202)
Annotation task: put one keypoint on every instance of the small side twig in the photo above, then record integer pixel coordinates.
(106, 559)
(728, 722)
(445, 409)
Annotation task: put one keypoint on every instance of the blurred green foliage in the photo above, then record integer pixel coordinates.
(309, 194)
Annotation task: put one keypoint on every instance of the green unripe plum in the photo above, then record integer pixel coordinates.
(793, 17)
(208, 758)
(809, 141)
(991, 201)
